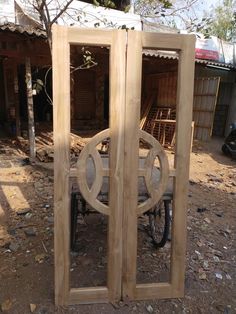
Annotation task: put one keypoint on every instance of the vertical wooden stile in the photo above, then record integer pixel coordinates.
(131, 155)
(182, 159)
(116, 123)
(61, 131)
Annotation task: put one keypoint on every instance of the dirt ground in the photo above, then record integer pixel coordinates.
(26, 241)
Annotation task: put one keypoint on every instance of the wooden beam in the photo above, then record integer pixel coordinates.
(93, 37)
(131, 161)
(61, 133)
(88, 295)
(182, 159)
(171, 42)
(116, 157)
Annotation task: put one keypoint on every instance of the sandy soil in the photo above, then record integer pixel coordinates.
(26, 241)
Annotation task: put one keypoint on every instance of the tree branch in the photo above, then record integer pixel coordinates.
(61, 12)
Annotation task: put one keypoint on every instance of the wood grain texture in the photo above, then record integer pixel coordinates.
(182, 159)
(131, 163)
(172, 42)
(93, 37)
(204, 104)
(90, 151)
(116, 154)
(154, 291)
(61, 133)
(155, 193)
(88, 295)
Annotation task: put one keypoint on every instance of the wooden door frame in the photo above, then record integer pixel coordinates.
(63, 37)
(124, 135)
(185, 46)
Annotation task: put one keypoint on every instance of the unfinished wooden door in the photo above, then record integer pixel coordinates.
(123, 168)
(204, 104)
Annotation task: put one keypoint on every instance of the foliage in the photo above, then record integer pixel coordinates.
(175, 13)
(222, 22)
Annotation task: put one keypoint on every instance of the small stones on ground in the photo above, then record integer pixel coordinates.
(23, 211)
(50, 220)
(206, 265)
(199, 243)
(13, 246)
(6, 305)
(216, 259)
(149, 308)
(202, 275)
(201, 209)
(207, 220)
(214, 179)
(40, 258)
(228, 277)
(219, 276)
(30, 232)
(32, 307)
(28, 216)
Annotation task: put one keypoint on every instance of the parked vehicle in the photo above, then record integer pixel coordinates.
(229, 146)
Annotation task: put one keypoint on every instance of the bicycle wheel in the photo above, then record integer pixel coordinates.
(159, 222)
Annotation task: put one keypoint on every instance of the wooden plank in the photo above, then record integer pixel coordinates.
(61, 133)
(182, 159)
(88, 295)
(153, 291)
(148, 106)
(160, 41)
(116, 157)
(205, 98)
(214, 105)
(93, 37)
(132, 118)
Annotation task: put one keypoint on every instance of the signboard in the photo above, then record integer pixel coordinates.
(214, 49)
(207, 49)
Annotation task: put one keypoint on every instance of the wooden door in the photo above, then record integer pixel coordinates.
(63, 37)
(204, 104)
(123, 169)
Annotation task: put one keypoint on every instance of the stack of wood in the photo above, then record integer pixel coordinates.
(44, 145)
(159, 121)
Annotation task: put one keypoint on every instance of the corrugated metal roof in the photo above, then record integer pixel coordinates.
(25, 30)
(217, 64)
(174, 55)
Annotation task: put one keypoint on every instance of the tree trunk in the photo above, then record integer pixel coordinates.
(30, 104)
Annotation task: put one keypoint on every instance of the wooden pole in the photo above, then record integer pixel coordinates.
(30, 105)
(16, 93)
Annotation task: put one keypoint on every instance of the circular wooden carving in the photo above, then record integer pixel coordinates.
(155, 192)
(90, 151)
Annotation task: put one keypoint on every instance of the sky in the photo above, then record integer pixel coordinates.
(206, 6)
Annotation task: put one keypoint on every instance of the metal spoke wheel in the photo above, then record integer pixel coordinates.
(159, 222)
